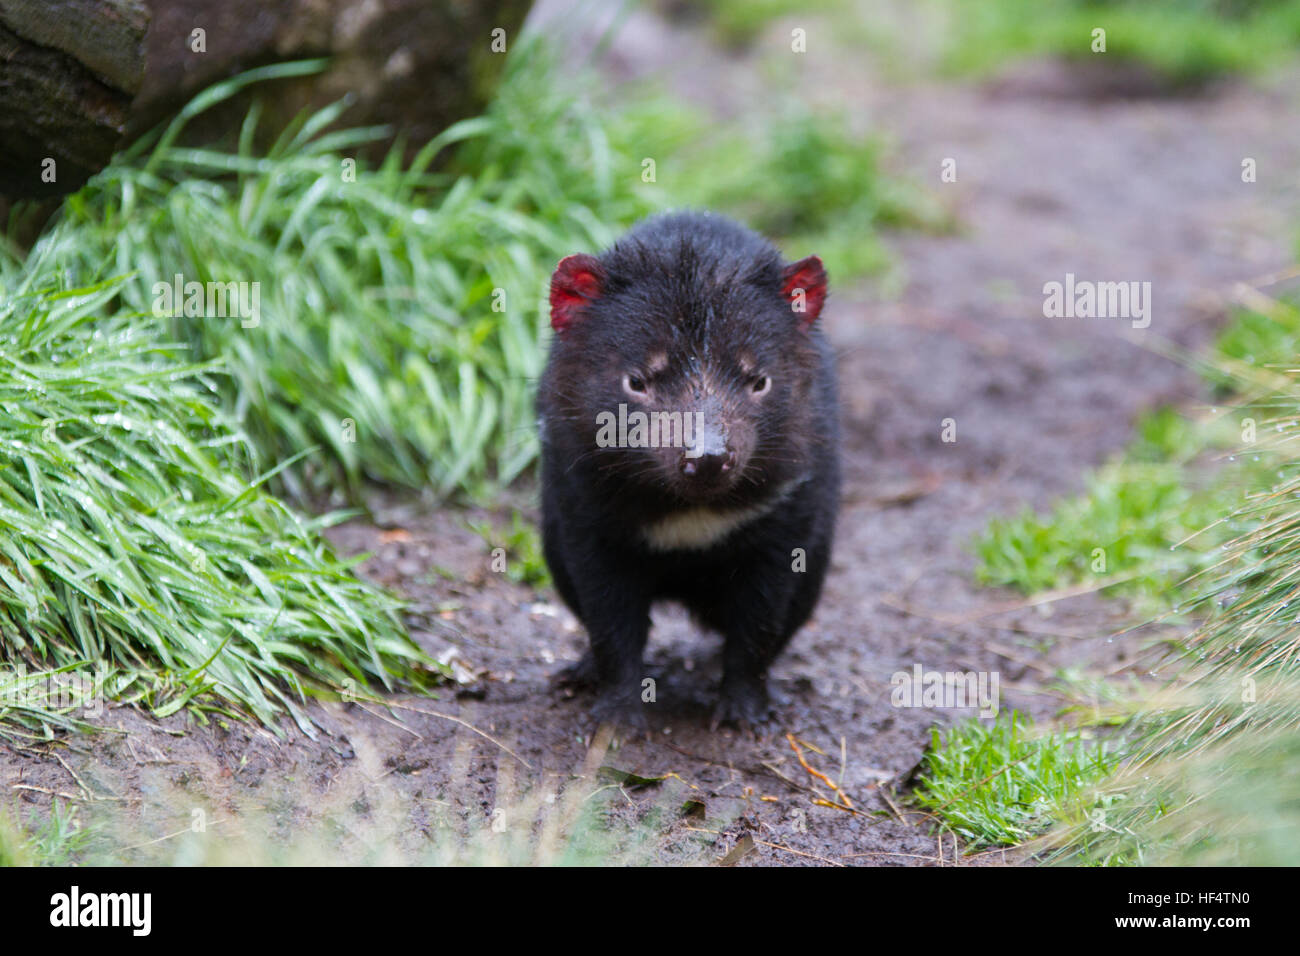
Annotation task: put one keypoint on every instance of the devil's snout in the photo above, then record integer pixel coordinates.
(708, 467)
(709, 455)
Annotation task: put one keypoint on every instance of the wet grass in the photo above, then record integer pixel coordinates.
(58, 838)
(1004, 782)
(139, 548)
(1207, 776)
(1211, 777)
(1162, 509)
(1145, 521)
(401, 307)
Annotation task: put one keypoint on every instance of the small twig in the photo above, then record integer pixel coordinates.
(1009, 654)
(389, 720)
(810, 856)
(823, 802)
(926, 485)
(892, 806)
(597, 749)
(774, 846)
(803, 788)
(55, 793)
(1001, 607)
(455, 720)
(1273, 278)
(811, 746)
(150, 760)
(80, 783)
(167, 836)
(812, 771)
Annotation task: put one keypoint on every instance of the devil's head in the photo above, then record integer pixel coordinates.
(697, 324)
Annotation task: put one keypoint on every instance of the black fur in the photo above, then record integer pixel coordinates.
(706, 296)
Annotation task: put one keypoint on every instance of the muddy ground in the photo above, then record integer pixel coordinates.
(1052, 178)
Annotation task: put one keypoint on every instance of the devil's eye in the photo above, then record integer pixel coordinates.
(760, 384)
(634, 384)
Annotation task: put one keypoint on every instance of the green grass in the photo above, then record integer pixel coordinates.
(1255, 341)
(139, 542)
(803, 177)
(1165, 506)
(34, 704)
(1185, 41)
(1207, 776)
(522, 546)
(136, 537)
(1212, 778)
(60, 839)
(402, 314)
(1140, 519)
(1002, 783)
(808, 180)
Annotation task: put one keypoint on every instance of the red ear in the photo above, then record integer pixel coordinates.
(577, 281)
(804, 284)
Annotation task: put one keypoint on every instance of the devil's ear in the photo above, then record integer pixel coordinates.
(804, 287)
(576, 282)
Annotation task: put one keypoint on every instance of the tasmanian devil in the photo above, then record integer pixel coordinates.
(689, 450)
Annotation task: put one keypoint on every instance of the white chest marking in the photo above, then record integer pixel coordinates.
(698, 528)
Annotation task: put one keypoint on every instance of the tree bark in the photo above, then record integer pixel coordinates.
(80, 78)
(69, 71)
(418, 65)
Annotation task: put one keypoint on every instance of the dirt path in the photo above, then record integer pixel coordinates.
(1107, 190)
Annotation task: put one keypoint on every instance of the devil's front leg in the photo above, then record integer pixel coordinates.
(616, 614)
(753, 613)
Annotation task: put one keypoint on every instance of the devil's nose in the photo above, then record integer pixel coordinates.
(708, 466)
